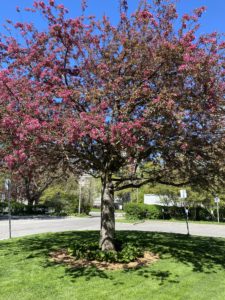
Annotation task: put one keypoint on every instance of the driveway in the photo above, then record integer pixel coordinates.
(23, 227)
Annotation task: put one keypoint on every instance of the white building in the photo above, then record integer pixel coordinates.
(162, 200)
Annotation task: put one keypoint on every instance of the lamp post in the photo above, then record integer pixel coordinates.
(8, 191)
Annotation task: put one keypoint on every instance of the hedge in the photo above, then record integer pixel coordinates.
(20, 209)
(142, 211)
(53, 207)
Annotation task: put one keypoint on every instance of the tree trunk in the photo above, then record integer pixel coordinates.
(36, 200)
(30, 201)
(107, 234)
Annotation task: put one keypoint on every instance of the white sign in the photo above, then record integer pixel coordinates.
(183, 194)
(217, 200)
(83, 180)
(7, 184)
(152, 199)
(82, 183)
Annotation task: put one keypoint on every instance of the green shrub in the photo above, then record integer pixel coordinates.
(221, 213)
(126, 253)
(204, 214)
(136, 211)
(194, 213)
(129, 253)
(154, 212)
(21, 209)
(3, 206)
(174, 212)
(62, 202)
(18, 208)
(142, 211)
(85, 208)
(38, 209)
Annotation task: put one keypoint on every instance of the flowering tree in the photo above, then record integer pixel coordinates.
(111, 97)
(31, 183)
(32, 167)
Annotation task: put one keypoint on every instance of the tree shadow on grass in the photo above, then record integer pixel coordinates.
(161, 276)
(88, 273)
(203, 254)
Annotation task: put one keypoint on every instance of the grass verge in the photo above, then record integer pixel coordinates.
(94, 209)
(188, 268)
(124, 220)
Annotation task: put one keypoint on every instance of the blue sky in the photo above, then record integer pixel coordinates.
(212, 20)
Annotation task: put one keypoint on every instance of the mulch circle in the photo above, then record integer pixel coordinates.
(62, 256)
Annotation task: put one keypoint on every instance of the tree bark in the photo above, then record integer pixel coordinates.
(30, 201)
(107, 233)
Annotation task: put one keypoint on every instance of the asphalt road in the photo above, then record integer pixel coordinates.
(25, 227)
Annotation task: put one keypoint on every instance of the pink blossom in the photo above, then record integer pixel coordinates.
(60, 6)
(156, 100)
(199, 11)
(184, 146)
(145, 14)
(10, 161)
(183, 68)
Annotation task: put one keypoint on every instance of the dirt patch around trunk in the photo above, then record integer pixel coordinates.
(62, 256)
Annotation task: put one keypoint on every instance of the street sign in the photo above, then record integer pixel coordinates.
(82, 182)
(217, 200)
(183, 194)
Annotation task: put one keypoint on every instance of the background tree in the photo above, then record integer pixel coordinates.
(32, 184)
(32, 173)
(63, 196)
(112, 97)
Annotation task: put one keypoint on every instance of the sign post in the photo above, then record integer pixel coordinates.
(79, 206)
(186, 213)
(183, 195)
(82, 182)
(8, 190)
(217, 201)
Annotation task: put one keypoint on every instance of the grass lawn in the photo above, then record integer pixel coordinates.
(189, 268)
(124, 220)
(98, 210)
